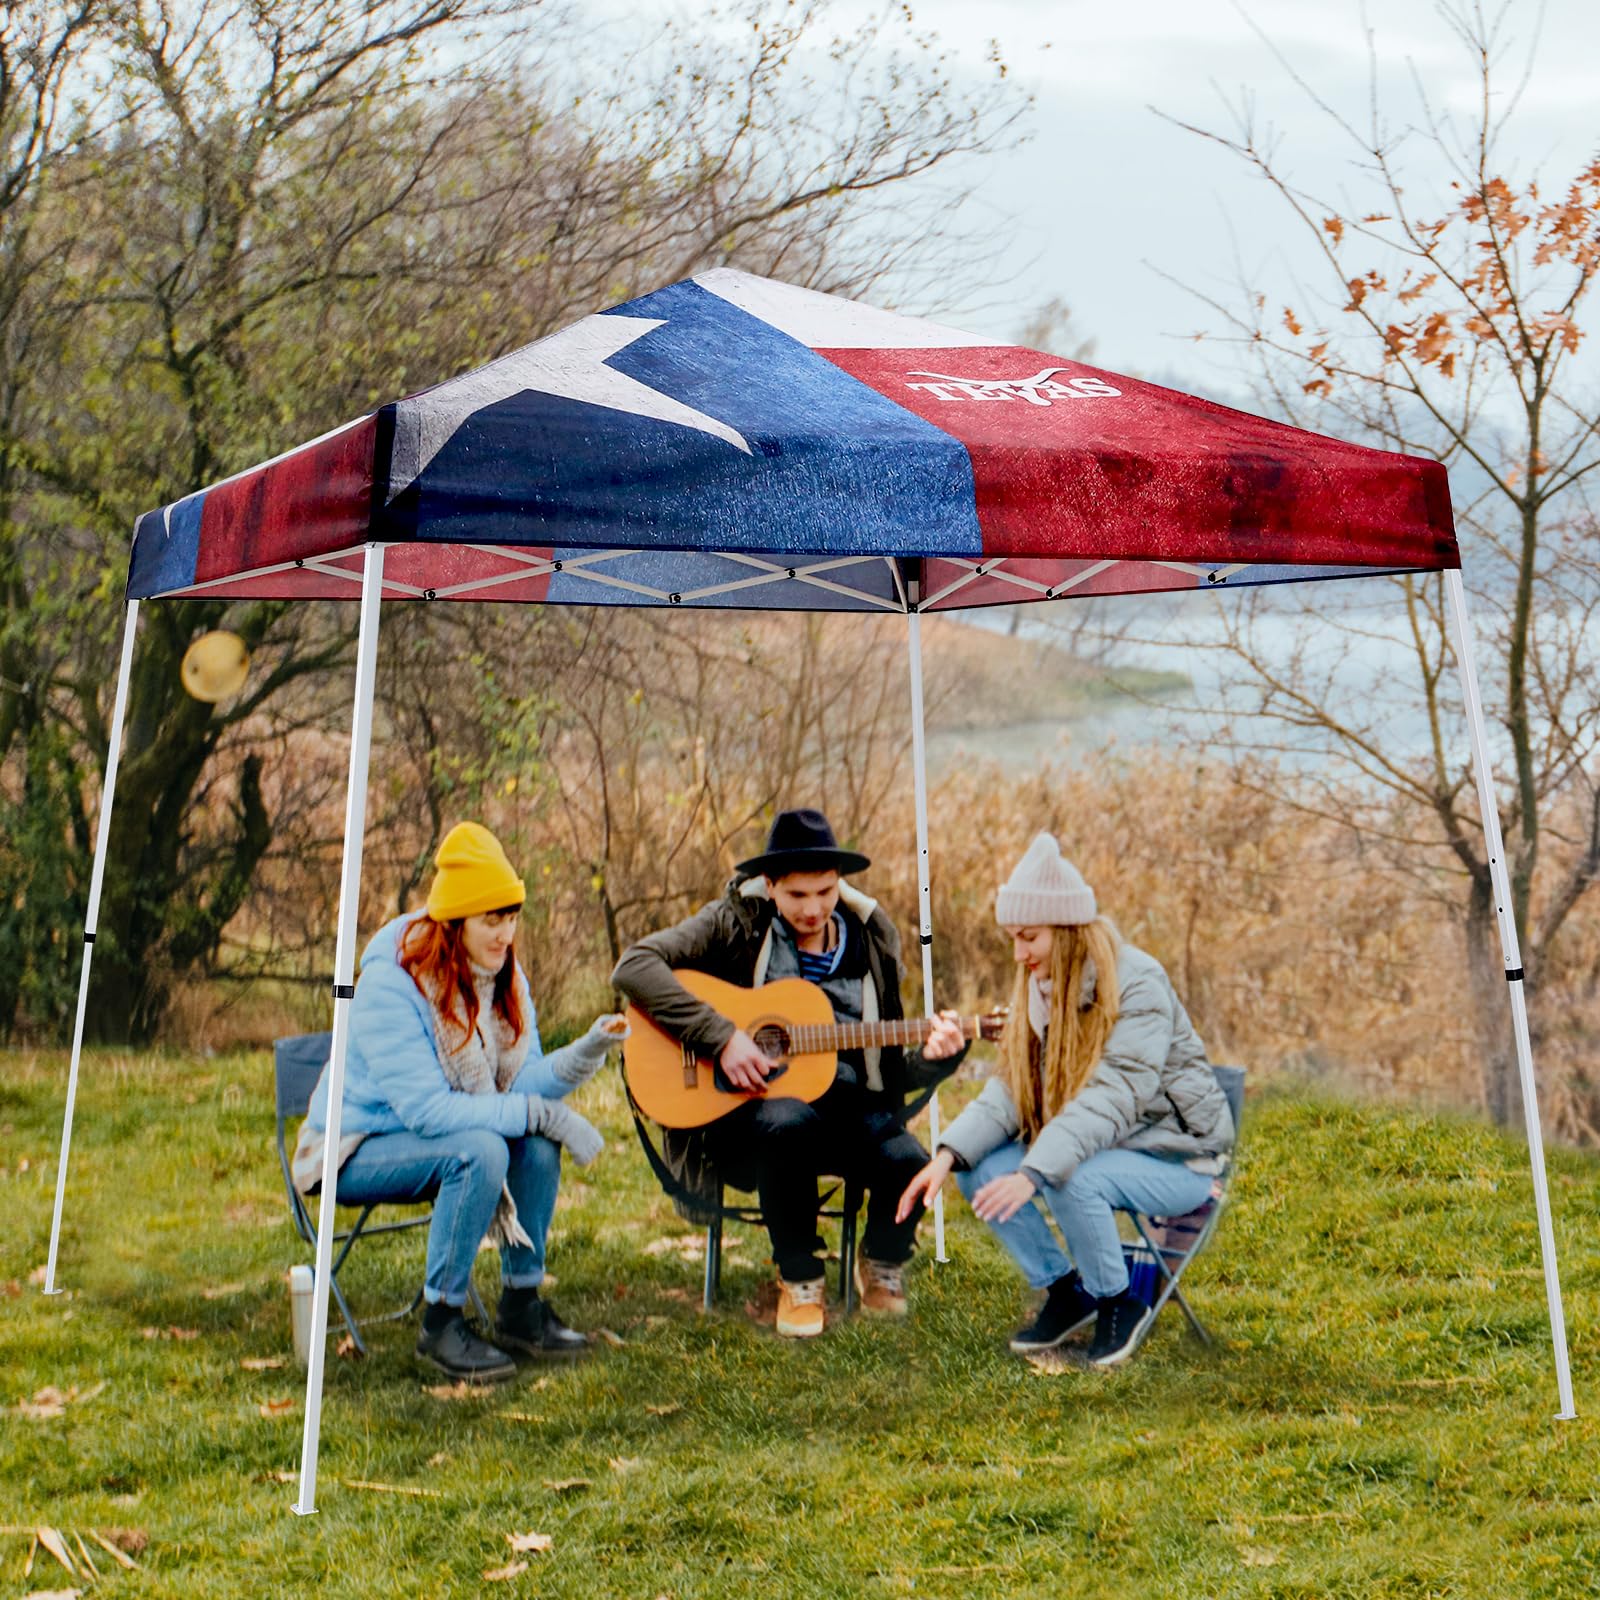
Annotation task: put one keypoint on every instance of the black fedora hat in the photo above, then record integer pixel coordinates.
(802, 841)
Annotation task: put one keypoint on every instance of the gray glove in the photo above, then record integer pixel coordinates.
(576, 1063)
(562, 1124)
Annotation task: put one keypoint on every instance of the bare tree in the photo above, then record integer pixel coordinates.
(1447, 326)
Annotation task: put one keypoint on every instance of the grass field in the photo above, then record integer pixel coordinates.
(1375, 1420)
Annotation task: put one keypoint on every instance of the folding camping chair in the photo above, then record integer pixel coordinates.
(713, 1210)
(1171, 1243)
(297, 1064)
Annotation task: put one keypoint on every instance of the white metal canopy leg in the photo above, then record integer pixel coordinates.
(344, 966)
(91, 922)
(1461, 628)
(919, 762)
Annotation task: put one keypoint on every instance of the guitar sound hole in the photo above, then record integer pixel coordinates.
(772, 1041)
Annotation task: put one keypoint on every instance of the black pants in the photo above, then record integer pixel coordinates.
(780, 1147)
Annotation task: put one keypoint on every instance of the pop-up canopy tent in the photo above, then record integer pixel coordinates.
(731, 441)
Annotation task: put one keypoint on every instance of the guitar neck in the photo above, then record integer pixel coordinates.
(809, 1038)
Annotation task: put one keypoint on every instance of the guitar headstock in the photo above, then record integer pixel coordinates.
(992, 1023)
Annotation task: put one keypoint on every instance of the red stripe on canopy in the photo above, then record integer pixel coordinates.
(1069, 460)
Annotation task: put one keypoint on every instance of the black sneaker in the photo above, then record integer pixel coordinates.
(1120, 1326)
(1067, 1307)
(522, 1321)
(459, 1353)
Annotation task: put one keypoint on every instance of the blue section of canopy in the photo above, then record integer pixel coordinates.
(832, 464)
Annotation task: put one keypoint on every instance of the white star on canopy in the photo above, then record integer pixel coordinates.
(570, 364)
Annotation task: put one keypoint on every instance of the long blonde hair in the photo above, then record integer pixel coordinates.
(1077, 1033)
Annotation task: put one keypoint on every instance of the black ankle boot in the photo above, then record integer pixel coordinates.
(1120, 1324)
(446, 1342)
(1067, 1307)
(524, 1322)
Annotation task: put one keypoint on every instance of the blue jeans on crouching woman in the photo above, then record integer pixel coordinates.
(1085, 1209)
(468, 1170)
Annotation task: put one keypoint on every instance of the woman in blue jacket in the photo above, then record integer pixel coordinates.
(448, 1093)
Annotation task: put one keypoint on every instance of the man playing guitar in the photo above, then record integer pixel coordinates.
(788, 913)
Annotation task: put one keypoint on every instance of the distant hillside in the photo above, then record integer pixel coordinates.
(979, 678)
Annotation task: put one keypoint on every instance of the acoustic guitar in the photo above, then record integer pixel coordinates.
(793, 1023)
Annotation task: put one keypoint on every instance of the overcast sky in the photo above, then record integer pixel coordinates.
(1106, 195)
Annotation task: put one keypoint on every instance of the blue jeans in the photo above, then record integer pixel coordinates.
(467, 1169)
(1085, 1209)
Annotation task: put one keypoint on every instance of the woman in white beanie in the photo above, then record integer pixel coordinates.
(1103, 1100)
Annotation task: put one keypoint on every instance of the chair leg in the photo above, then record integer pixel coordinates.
(1194, 1321)
(344, 1311)
(847, 1247)
(713, 1278)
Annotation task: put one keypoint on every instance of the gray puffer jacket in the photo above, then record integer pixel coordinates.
(1153, 1090)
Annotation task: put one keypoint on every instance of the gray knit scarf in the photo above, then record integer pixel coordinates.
(487, 1061)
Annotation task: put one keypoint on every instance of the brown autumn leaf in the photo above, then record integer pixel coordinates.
(115, 1551)
(501, 1574)
(348, 1350)
(615, 1340)
(276, 1408)
(183, 1334)
(665, 1410)
(264, 1363)
(135, 1541)
(1290, 322)
(459, 1390)
(48, 1402)
(438, 1458)
(57, 1546)
(562, 1485)
(1334, 228)
(529, 1543)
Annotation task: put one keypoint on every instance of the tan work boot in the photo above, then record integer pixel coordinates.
(800, 1308)
(881, 1286)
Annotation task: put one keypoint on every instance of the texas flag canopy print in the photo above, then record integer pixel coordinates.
(731, 440)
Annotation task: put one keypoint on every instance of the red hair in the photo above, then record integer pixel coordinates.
(435, 955)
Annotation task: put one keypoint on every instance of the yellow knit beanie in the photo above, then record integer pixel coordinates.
(474, 875)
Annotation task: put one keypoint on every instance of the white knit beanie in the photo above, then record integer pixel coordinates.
(1044, 890)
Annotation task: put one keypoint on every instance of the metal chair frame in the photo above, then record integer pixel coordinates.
(1171, 1260)
(297, 1065)
(847, 1212)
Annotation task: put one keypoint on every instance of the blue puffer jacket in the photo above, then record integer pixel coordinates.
(393, 1080)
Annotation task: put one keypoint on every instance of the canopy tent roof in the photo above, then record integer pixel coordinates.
(731, 440)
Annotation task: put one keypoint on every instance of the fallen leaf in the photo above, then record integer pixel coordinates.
(500, 1574)
(276, 1408)
(84, 1557)
(666, 1410)
(134, 1540)
(524, 1543)
(438, 1458)
(625, 1464)
(460, 1390)
(615, 1340)
(264, 1363)
(561, 1485)
(349, 1350)
(222, 1291)
(57, 1546)
(37, 1275)
(12, 1289)
(183, 1334)
(117, 1554)
(48, 1402)
(150, 1333)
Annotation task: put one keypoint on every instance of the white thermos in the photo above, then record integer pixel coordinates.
(302, 1281)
